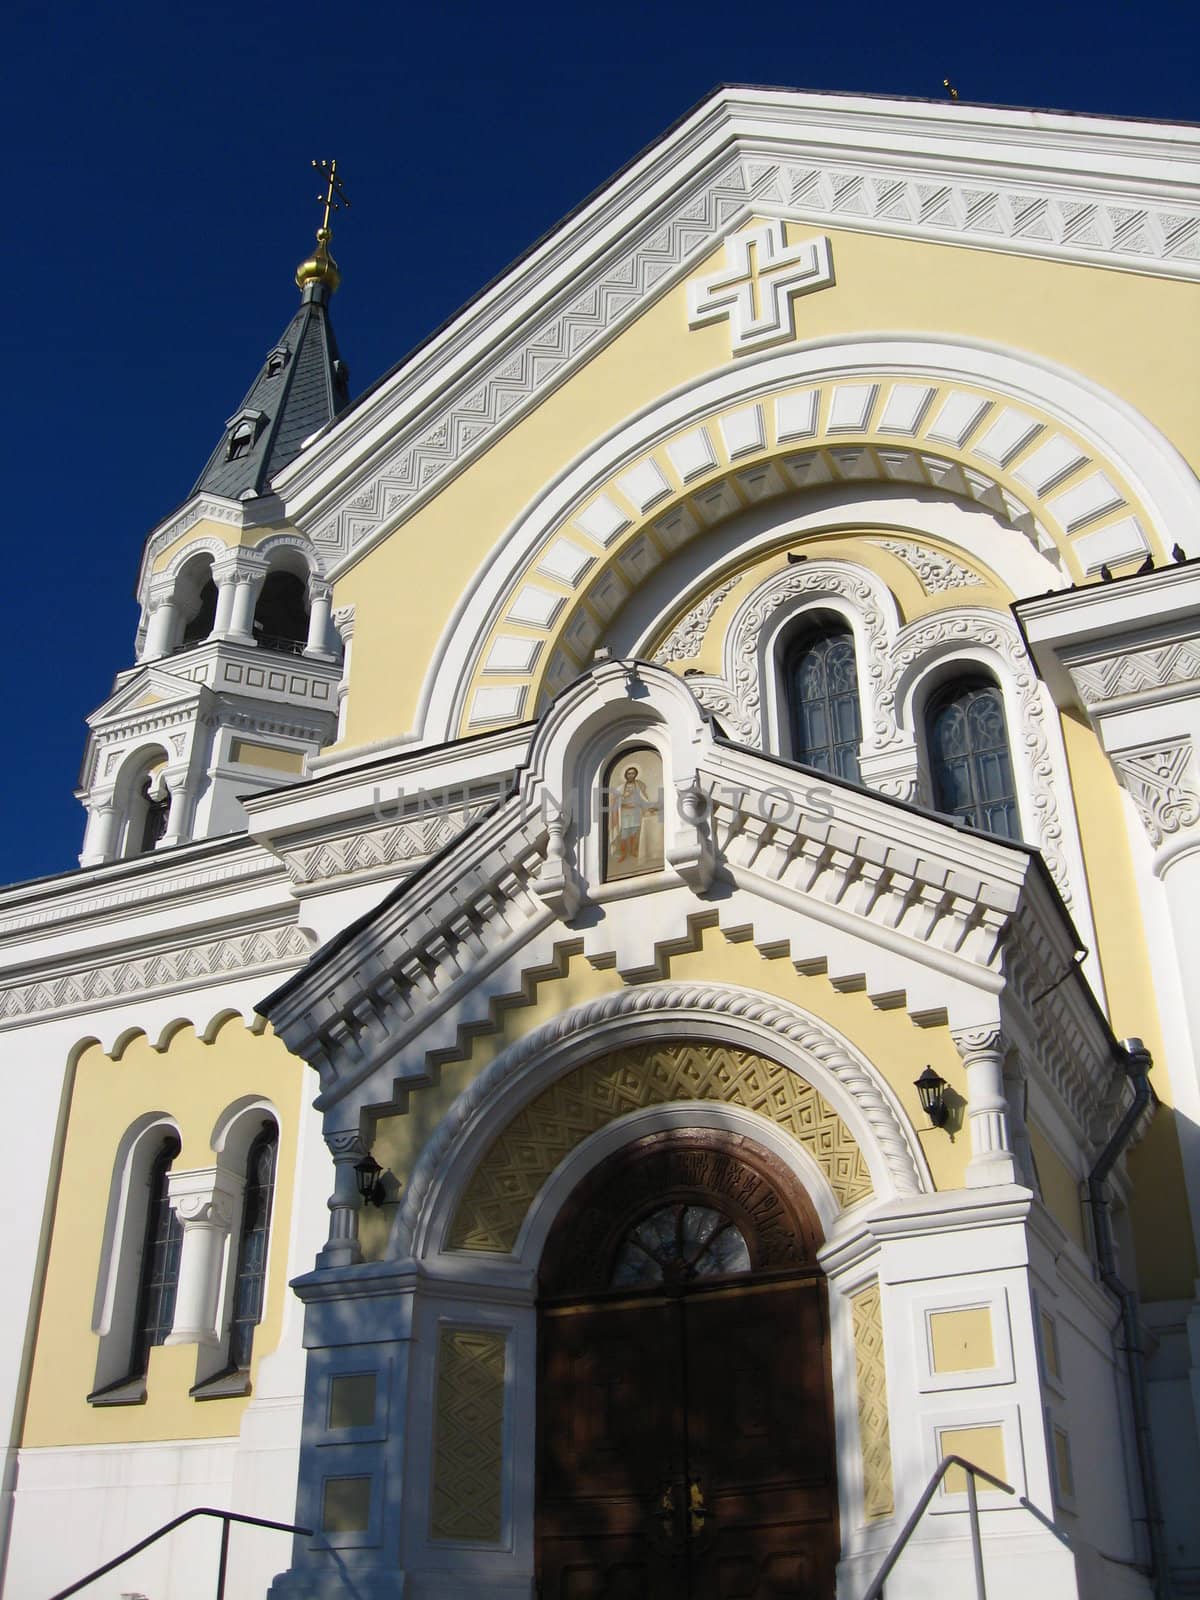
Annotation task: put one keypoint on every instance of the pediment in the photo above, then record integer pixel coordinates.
(882, 898)
(786, 168)
(154, 690)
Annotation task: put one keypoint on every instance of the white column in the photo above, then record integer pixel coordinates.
(179, 809)
(160, 634)
(205, 1201)
(100, 839)
(343, 621)
(225, 577)
(320, 603)
(992, 1161)
(342, 1248)
(241, 622)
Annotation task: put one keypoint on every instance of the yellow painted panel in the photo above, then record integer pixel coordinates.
(194, 1083)
(352, 1400)
(346, 1505)
(1060, 1188)
(874, 1428)
(961, 1341)
(245, 753)
(981, 1446)
(1049, 1338)
(1064, 1471)
(468, 1462)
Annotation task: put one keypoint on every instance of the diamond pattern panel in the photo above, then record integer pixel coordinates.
(469, 1443)
(524, 1155)
(873, 1430)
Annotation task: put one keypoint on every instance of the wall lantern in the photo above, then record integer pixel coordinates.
(932, 1091)
(370, 1181)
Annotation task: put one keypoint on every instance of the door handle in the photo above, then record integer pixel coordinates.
(666, 1511)
(697, 1510)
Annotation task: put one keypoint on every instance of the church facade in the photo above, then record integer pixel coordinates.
(630, 989)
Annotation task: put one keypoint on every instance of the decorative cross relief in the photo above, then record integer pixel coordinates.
(756, 287)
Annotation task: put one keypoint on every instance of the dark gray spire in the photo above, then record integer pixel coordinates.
(303, 385)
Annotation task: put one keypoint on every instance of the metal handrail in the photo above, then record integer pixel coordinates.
(875, 1592)
(169, 1527)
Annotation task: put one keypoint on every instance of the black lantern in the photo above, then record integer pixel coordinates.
(932, 1091)
(370, 1181)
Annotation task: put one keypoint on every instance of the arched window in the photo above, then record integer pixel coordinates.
(822, 697)
(250, 1279)
(158, 1277)
(968, 753)
(281, 615)
(200, 623)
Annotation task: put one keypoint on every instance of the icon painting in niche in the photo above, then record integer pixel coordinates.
(633, 794)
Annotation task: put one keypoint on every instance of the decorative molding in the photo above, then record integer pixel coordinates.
(468, 1449)
(935, 572)
(1029, 739)
(1161, 779)
(156, 886)
(861, 591)
(684, 641)
(541, 1135)
(978, 1044)
(1135, 671)
(1028, 216)
(492, 1088)
(181, 966)
(874, 1429)
(407, 842)
(756, 292)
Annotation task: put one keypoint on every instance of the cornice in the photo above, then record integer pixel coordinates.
(164, 966)
(995, 181)
(123, 889)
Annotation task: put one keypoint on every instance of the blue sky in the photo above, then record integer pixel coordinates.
(159, 195)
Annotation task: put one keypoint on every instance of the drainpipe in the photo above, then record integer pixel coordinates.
(1136, 1062)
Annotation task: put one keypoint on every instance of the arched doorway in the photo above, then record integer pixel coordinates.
(685, 1418)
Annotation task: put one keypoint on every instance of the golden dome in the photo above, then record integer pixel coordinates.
(320, 266)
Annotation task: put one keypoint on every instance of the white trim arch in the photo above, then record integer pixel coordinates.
(689, 1114)
(119, 1272)
(716, 1012)
(1117, 437)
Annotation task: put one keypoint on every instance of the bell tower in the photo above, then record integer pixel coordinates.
(238, 672)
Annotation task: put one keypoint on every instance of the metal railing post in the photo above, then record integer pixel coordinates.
(875, 1592)
(976, 1539)
(224, 1558)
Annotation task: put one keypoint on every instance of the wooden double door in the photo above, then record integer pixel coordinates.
(686, 1445)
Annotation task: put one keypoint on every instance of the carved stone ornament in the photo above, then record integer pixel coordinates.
(934, 571)
(145, 974)
(756, 286)
(684, 641)
(1161, 779)
(495, 1084)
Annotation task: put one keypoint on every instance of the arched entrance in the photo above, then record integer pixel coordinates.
(685, 1418)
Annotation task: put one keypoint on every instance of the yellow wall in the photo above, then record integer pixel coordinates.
(194, 1083)
(1117, 329)
(1166, 1251)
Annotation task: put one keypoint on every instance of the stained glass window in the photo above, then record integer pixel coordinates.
(968, 749)
(160, 1263)
(822, 694)
(679, 1243)
(252, 1249)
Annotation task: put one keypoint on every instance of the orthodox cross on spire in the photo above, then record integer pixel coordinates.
(321, 269)
(334, 198)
